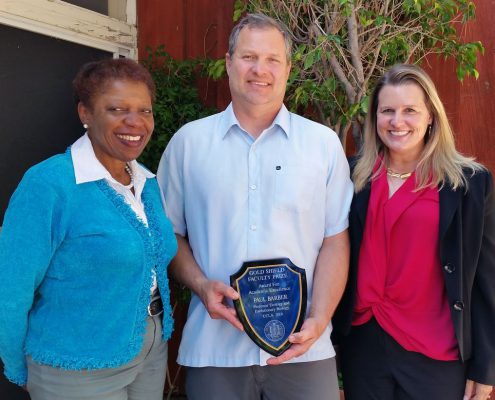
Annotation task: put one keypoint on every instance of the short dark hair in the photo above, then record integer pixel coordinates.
(92, 78)
(260, 21)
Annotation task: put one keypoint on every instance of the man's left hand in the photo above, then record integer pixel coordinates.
(477, 391)
(301, 341)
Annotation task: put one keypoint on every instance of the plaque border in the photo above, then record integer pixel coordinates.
(239, 306)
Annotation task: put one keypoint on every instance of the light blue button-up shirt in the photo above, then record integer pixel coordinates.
(240, 199)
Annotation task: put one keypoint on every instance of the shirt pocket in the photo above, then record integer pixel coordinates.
(295, 185)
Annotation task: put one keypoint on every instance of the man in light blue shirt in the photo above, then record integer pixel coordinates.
(250, 183)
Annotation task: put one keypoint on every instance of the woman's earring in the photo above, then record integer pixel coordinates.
(85, 126)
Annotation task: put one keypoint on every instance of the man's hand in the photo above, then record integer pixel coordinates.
(328, 285)
(477, 391)
(213, 294)
(301, 341)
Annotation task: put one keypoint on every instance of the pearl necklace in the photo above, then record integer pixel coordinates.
(131, 175)
(397, 175)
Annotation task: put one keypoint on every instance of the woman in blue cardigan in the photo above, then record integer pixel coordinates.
(84, 250)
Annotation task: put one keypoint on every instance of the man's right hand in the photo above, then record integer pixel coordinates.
(213, 294)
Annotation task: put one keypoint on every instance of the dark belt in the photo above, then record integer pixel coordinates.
(156, 306)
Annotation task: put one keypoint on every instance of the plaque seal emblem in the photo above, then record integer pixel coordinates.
(274, 330)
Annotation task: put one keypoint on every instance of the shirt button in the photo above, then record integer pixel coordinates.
(449, 268)
(253, 187)
(253, 227)
(458, 306)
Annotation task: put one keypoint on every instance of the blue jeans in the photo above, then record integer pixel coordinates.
(142, 378)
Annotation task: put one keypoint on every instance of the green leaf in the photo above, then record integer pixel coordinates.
(309, 60)
(240, 8)
(417, 6)
(461, 73)
(216, 69)
(479, 47)
(335, 39)
(364, 104)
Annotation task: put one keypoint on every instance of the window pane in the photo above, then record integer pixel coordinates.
(100, 6)
(112, 8)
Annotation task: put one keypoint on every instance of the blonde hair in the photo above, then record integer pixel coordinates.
(439, 162)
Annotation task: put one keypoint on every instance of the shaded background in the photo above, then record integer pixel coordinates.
(37, 110)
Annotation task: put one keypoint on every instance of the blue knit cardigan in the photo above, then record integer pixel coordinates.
(75, 271)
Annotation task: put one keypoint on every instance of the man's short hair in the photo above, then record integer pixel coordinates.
(260, 21)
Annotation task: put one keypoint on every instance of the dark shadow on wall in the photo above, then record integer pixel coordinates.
(38, 116)
(95, 5)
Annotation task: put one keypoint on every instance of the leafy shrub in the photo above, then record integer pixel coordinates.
(177, 100)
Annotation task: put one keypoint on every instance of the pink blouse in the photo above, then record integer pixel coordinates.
(400, 279)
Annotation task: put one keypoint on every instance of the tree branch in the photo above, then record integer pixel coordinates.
(354, 47)
(339, 73)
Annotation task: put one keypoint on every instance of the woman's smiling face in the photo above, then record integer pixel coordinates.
(402, 119)
(120, 121)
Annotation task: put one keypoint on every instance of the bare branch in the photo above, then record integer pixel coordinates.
(378, 47)
(354, 46)
(337, 69)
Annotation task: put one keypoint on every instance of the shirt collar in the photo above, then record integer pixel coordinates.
(228, 120)
(88, 168)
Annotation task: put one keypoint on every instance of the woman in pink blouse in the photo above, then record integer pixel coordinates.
(418, 314)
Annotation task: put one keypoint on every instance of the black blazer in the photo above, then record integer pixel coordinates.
(467, 254)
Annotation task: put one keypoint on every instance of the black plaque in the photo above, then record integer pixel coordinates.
(272, 302)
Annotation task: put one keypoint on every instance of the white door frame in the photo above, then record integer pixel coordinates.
(66, 21)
